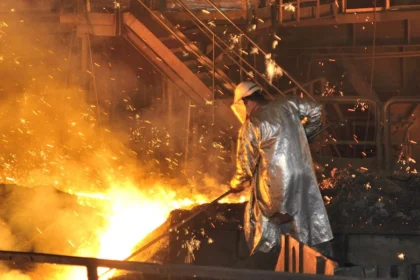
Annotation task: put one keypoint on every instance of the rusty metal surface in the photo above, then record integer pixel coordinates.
(299, 258)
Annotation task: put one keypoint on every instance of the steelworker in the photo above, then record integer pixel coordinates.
(274, 159)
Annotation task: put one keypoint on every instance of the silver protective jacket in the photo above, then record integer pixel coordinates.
(274, 159)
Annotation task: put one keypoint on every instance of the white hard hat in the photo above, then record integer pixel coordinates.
(245, 89)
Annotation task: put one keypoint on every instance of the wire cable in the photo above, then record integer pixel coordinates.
(96, 91)
(93, 74)
(67, 79)
(372, 72)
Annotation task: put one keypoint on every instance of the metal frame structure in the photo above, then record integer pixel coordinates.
(388, 123)
(381, 111)
(168, 270)
(377, 106)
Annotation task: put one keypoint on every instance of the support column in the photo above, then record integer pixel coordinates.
(114, 78)
(405, 63)
(169, 101)
(187, 137)
(84, 61)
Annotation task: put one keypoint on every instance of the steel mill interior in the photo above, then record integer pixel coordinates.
(120, 136)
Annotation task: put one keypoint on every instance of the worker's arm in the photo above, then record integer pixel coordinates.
(310, 113)
(246, 157)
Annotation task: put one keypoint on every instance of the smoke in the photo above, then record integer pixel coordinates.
(10, 274)
(71, 181)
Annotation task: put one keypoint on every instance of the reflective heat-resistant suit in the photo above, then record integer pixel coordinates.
(273, 158)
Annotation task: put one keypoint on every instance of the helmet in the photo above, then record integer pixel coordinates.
(245, 89)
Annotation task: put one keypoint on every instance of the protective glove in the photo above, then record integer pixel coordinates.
(237, 187)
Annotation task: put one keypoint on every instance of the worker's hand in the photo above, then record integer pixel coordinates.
(237, 187)
(236, 190)
(232, 190)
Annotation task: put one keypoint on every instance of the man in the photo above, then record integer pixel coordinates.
(274, 159)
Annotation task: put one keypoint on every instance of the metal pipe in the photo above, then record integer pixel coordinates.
(349, 142)
(258, 47)
(387, 123)
(354, 47)
(347, 100)
(364, 56)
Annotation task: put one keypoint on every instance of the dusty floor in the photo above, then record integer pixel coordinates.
(367, 200)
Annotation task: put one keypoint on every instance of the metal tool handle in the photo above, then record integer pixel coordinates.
(175, 227)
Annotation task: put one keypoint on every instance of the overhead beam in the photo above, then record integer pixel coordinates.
(357, 18)
(98, 24)
(96, 30)
(90, 18)
(45, 17)
(164, 55)
(180, 16)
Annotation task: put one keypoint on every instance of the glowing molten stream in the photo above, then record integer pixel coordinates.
(132, 216)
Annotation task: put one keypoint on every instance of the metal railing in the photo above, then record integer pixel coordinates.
(388, 5)
(309, 86)
(297, 4)
(199, 56)
(382, 113)
(388, 123)
(237, 56)
(168, 270)
(377, 107)
(297, 10)
(257, 50)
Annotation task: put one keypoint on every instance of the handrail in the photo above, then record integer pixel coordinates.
(180, 270)
(196, 52)
(387, 124)
(310, 84)
(213, 36)
(258, 47)
(377, 106)
(388, 6)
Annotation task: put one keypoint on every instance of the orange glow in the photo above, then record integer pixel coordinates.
(50, 136)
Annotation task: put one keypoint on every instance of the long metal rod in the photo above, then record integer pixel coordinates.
(352, 47)
(347, 100)
(360, 54)
(349, 142)
(180, 270)
(214, 82)
(258, 47)
(175, 227)
(387, 123)
(224, 49)
(384, 55)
